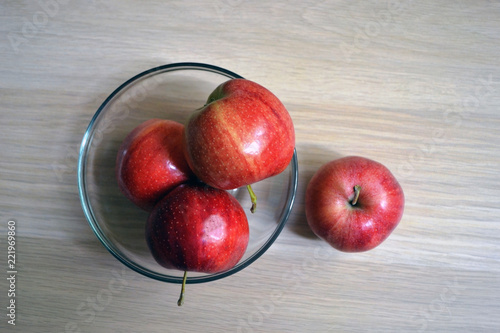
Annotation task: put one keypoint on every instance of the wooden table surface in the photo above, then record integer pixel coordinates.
(412, 85)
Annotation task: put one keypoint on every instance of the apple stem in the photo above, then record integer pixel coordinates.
(357, 189)
(253, 197)
(183, 289)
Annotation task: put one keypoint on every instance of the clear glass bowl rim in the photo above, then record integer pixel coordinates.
(94, 224)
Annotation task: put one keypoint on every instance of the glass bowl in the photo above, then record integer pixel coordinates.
(169, 92)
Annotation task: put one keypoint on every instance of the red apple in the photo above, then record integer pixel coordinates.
(242, 135)
(354, 203)
(150, 162)
(197, 228)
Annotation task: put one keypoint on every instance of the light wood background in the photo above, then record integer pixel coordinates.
(413, 85)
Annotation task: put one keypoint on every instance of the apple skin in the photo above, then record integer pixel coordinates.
(359, 227)
(197, 228)
(242, 135)
(150, 162)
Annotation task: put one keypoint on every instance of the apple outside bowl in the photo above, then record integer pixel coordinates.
(172, 92)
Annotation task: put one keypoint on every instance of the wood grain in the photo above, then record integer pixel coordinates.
(412, 85)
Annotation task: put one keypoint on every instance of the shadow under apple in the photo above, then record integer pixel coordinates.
(311, 158)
